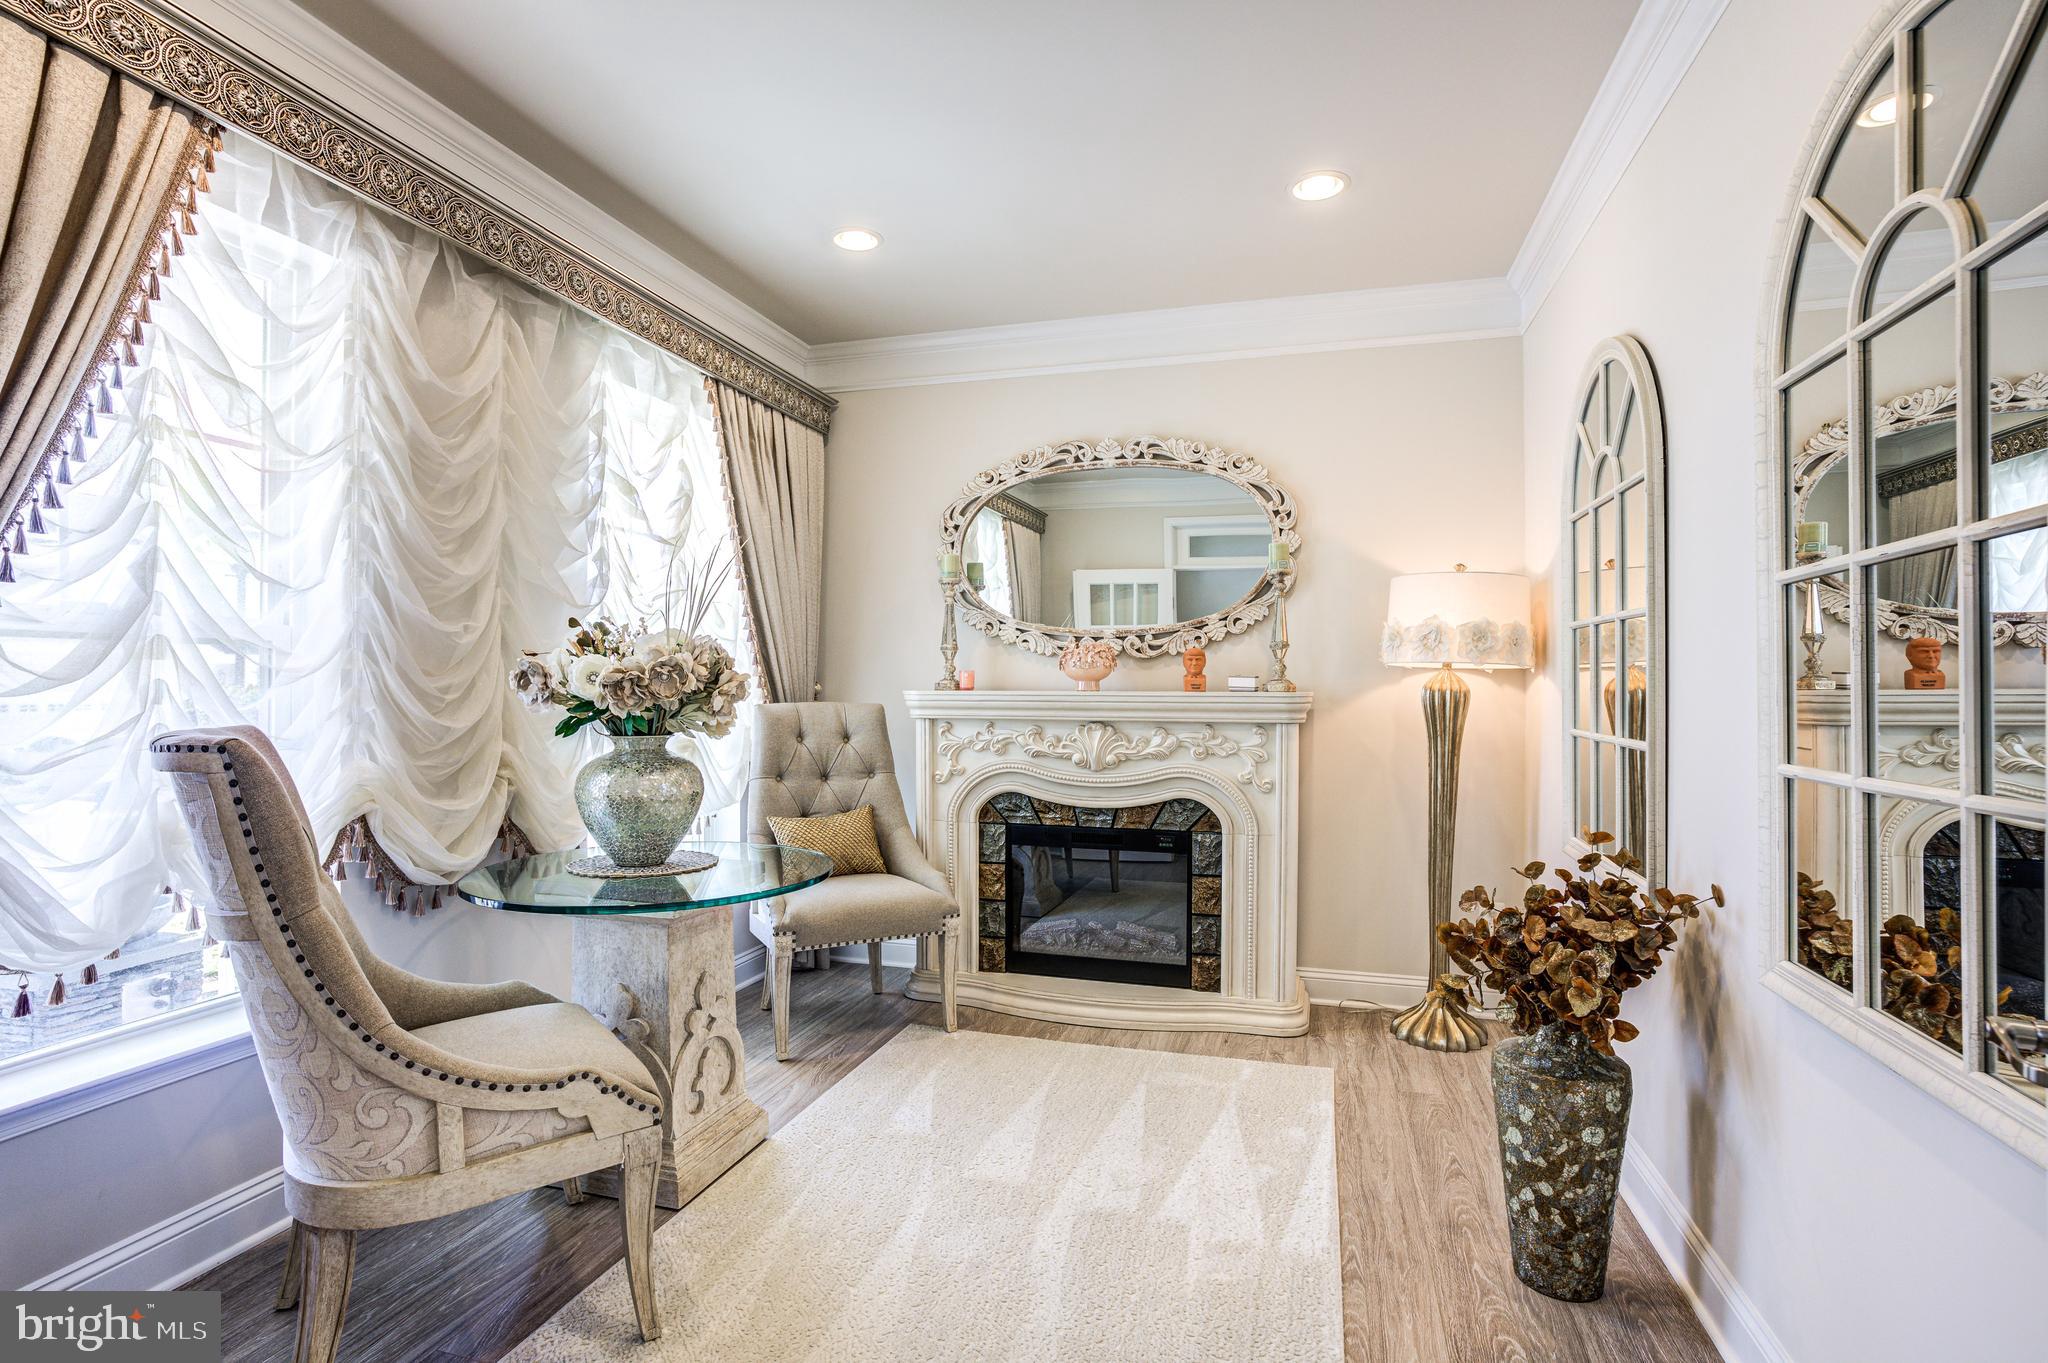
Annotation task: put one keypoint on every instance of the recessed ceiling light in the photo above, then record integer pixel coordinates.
(1321, 184)
(1882, 113)
(856, 239)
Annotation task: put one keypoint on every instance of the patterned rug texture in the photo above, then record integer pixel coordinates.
(989, 1198)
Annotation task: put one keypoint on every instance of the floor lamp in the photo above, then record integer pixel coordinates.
(1448, 621)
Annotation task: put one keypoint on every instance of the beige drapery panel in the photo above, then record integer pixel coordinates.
(775, 478)
(93, 169)
(1025, 548)
(1924, 580)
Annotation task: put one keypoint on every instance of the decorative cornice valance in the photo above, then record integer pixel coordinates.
(2031, 438)
(1017, 510)
(201, 69)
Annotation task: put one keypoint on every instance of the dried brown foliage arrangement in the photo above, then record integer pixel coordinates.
(1825, 945)
(1570, 950)
(1920, 963)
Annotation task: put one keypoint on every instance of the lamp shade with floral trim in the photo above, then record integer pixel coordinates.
(1462, 618)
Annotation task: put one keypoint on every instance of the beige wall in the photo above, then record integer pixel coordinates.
(1398, 459)
(1791, 1150)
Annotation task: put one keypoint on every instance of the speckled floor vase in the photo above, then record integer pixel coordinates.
(1563, 1114)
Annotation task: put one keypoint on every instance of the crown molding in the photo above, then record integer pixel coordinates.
(1659, 47)
(1655, 53)
(1654, 56)
(298, 46)
(1458, 311)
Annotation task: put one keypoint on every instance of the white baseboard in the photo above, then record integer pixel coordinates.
(180, 1247)
(1730, 1318)
(1372, 988)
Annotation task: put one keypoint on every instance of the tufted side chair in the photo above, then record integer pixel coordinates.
(401, 1098)
(815, 758)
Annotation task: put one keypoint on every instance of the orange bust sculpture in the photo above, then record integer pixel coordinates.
(1191, 664)
(1923, 665)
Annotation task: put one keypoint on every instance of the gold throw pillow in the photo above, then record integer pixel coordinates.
(849, 839)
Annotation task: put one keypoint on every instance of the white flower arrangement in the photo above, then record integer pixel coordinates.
(640, 679)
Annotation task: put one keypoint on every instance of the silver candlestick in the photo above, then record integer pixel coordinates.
(1814, 677)
(1278, 646)
(1812, 635)
(949, 643)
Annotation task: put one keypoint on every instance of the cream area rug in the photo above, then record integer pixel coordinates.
(978, 1199)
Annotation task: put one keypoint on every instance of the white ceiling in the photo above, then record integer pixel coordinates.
(1023, 163)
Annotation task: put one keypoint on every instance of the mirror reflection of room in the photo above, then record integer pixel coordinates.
(1910, 488)
(1117, 548)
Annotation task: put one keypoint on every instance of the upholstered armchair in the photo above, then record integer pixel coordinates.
(817, 758)
(402, 1098)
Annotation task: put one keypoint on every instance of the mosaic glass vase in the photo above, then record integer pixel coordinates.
(638, 800)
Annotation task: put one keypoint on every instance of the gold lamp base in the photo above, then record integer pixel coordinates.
(1440, 1022)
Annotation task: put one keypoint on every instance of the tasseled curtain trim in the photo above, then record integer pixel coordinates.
(175, 222)
(356, 845)
(25, 1007)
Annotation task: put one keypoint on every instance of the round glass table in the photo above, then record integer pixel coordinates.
(652, 957)
(745, 871)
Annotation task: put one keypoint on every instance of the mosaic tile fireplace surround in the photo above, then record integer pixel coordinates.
(1144, 905)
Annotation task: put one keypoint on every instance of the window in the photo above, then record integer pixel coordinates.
(352, 474)
(1908, 407)
(1613, 598)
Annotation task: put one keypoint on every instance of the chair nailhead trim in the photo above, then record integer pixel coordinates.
(320, 986)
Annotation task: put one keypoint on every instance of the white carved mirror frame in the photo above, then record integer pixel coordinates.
(1828, 447)
(1172, 454)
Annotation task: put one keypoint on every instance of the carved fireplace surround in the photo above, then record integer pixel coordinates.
(1237, 754)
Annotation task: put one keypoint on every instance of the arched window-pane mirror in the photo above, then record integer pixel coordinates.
(1612, 648)
(1908, 404)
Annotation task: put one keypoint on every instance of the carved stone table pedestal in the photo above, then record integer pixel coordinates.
(652, 957)
(664, 983)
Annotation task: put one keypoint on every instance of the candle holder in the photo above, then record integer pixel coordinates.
(1813, 634)
(1278, 646)
(949, 643)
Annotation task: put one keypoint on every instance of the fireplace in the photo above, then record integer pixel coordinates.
(1223, 768)
(1130, 895)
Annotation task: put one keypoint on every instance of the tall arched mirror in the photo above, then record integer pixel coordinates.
(1611, 650)
(1907, 337)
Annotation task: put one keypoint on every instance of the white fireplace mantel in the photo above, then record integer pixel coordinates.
(1238, 754)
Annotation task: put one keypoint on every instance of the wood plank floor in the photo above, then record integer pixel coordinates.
(1423, 1239)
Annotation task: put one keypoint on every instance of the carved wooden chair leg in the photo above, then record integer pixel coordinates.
(330, 1257)
(785, 952)
(572, 1191)
(294, 1266)
(949, 969)
(639, 1176)
(875, 967)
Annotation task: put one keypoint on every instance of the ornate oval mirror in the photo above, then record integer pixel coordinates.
(1152, 545)
(1913, 436)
